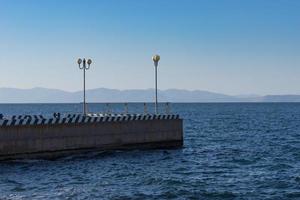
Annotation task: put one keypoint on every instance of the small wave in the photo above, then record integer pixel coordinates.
(219, 195)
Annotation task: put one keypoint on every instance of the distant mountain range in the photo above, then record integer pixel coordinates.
(43, 95)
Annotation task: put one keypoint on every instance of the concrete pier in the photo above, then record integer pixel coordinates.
(39, 137)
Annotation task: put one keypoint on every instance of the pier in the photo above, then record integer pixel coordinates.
(36, 136)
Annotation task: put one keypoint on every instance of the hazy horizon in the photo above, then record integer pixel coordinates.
(190, 90)
(97, 95)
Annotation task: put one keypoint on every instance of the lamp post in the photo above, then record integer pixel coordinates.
(155, 59)
(85, 66)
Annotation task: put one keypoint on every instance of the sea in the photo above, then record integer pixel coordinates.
(231, 151)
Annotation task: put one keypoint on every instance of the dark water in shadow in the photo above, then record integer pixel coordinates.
(231, 151)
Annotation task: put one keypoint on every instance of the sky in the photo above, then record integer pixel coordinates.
(226, 46)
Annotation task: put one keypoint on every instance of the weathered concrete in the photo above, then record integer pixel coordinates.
(51, 140)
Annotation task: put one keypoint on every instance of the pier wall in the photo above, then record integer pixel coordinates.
(57, 137)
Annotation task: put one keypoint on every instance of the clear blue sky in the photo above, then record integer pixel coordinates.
(230, 46)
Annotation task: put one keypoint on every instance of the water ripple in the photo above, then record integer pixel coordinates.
(231, 151)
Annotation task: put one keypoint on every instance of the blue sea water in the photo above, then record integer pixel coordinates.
(231, 151)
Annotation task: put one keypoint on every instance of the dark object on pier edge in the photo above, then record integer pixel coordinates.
(56, 115)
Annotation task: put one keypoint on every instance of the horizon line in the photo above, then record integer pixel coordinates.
(249, 95)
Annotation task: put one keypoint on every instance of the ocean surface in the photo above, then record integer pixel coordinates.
(231, 151)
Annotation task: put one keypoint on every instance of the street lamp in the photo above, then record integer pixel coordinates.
(85, 66)
(155, 59)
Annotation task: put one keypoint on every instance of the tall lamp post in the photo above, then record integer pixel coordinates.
(85, 66)
(155, 59)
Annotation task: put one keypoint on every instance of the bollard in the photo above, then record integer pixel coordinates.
(108, 108)
(168, 111)
(86, 108)
(145, 108)
(126, 108)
